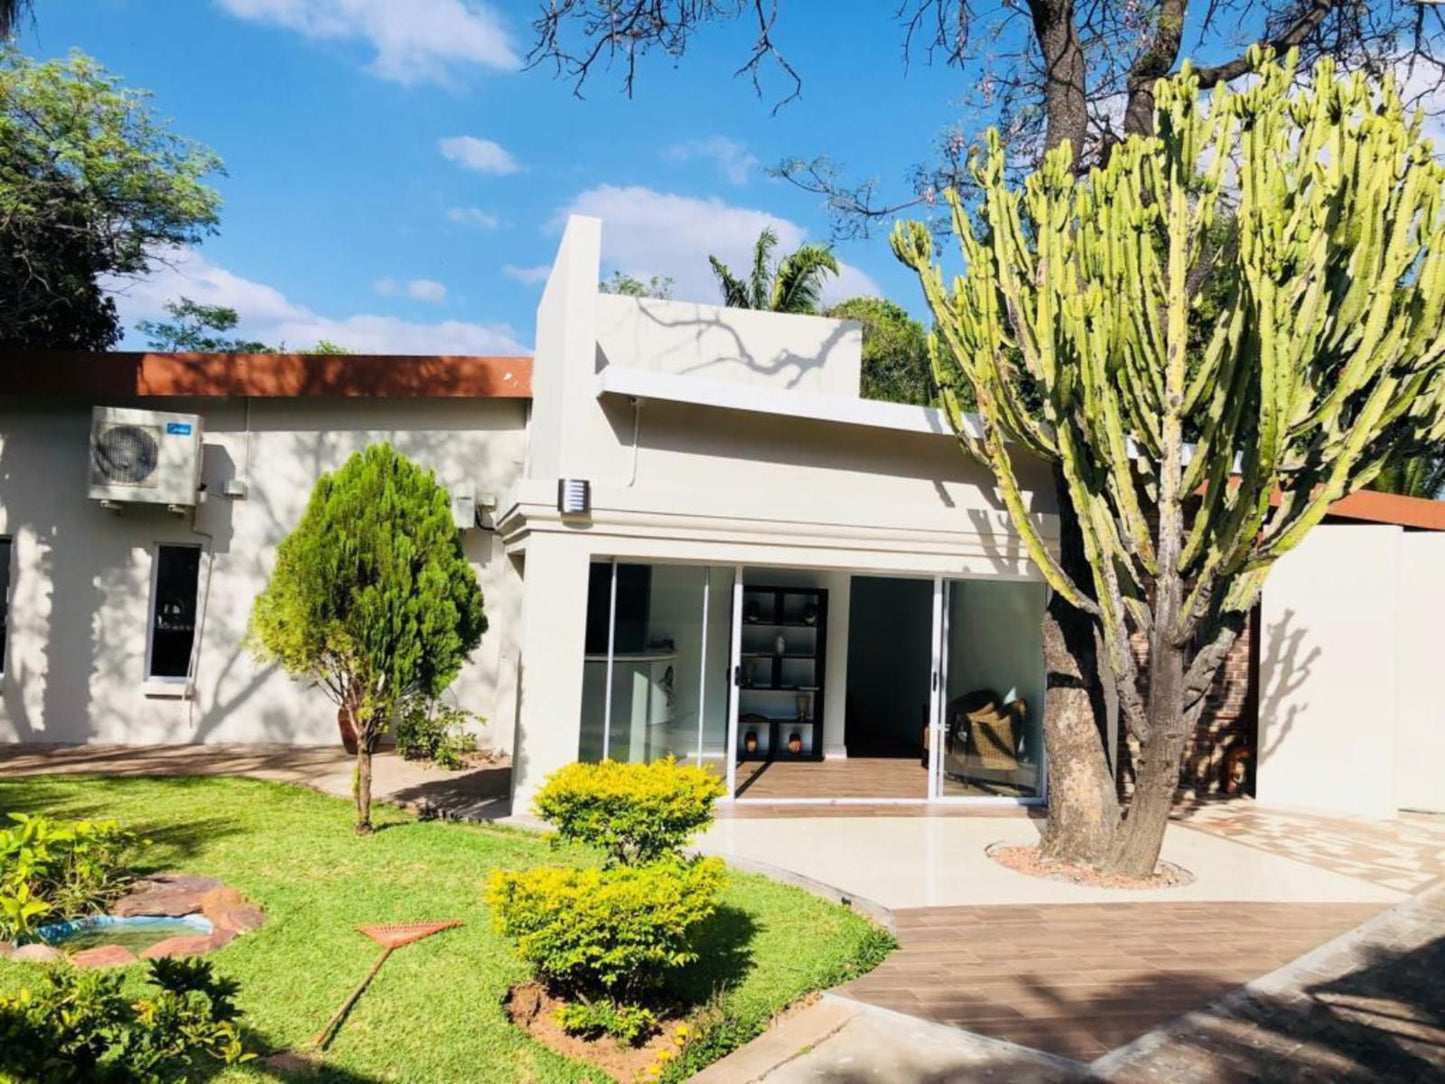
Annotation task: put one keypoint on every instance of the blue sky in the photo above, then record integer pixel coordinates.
(395, 180)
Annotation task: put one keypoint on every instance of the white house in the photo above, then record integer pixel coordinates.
(694, 538)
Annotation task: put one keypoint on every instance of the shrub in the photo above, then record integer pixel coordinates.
(434, 731)
(630, 1024)
(608, 932)
(636, 813)
(52, 870)
(372, 598)
(79, 1026)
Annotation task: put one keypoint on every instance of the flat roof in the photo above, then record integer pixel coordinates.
(68, 374)
(759, 399)
(1366, 506)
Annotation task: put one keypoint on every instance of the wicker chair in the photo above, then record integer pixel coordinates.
(983, 737)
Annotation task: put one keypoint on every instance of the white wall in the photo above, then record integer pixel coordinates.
(1420, 741)
(1328, 699)
(740, 346)
(81, 576)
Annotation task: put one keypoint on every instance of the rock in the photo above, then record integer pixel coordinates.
(242, 919)
(198, 945)
(171, 894)
(7, 949)
(37, 954)
(104, 956)
(221, 899)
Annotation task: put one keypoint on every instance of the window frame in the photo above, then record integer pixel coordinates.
(171, 684)
(8, 541)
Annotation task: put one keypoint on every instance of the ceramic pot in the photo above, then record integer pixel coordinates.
(750, 741)
(795, 743)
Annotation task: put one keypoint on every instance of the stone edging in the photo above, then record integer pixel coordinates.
(167, 895)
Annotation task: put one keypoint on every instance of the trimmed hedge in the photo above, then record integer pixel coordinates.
(609, 932)
(635, 813)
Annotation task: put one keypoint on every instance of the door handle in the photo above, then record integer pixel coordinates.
(935, 681)
(738, 676)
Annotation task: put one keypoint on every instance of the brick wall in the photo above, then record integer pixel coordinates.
(1230, 722)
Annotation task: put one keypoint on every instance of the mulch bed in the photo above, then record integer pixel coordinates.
(532, 1008)
(1025, 859)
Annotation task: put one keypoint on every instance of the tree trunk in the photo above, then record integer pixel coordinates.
(1066, 102)
(1083, 802)
(363, 785)
(1136, 851)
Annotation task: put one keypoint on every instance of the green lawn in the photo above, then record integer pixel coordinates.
(434, 1013)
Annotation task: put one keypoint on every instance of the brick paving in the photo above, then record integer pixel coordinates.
(1369, 1008)
(1078, 980)
(1406, 853)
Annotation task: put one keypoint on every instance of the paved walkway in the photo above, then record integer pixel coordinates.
(475, 794)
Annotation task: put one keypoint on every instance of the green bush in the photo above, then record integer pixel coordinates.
(605, 932)
(434, 731)
(79, 1026)
(53, 870)
(636, 813)
(630, 1024)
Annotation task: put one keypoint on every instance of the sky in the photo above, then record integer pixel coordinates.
(396, 180)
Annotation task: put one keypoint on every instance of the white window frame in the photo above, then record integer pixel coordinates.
(154, 684)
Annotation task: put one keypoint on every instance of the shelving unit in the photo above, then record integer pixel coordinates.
(780, 692)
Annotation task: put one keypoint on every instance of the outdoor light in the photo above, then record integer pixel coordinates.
(574, 496)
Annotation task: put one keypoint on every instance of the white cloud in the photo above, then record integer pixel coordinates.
(414, 41)
(428, 290)
(474, 216)
(271, 317)
(646, 233)
(731, 157)
(479, 155)
(531, 276)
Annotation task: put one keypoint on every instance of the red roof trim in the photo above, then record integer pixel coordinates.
(1371, 507)
(379, 376)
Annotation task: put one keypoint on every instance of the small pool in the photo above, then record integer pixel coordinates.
(136, 934)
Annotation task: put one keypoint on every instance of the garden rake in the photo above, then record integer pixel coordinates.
(390, 936)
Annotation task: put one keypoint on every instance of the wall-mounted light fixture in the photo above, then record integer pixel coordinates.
(574, 496)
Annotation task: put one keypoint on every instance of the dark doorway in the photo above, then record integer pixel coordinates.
(890, 666)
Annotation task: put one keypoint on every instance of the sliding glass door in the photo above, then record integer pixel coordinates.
(988, 703)
(656, 669)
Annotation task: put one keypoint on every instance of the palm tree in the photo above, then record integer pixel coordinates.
(793, 284)
(1419, 475)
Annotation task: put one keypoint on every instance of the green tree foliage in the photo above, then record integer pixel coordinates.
(371, 597)
(1421, 474)
(792, 284)
(658, 286)
(93, 185)
(1326, 363)
(896, 368)
(200, 329)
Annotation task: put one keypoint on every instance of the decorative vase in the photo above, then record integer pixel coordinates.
(800, 702)
(780, 645)
(348, 732)
(795, 743)
(751, 612)
(750, 741)
(810, 614)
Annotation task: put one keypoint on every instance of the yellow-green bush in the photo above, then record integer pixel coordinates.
(609, 932)
(636, 813)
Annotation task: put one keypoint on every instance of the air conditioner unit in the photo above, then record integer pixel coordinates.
(144, 456)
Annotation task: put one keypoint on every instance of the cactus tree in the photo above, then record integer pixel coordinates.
(1195, 453)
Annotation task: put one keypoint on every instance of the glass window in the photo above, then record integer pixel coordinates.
(994, 710)
(664, 629)
(5, 545)
(173, 619)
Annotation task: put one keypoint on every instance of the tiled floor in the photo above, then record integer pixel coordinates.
(1406, 853)
(850, 777)
(1080, 979)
